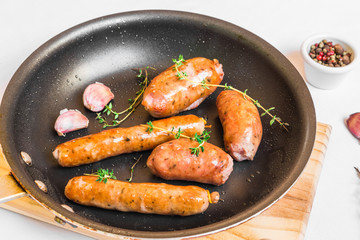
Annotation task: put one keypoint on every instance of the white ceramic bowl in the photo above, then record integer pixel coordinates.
(325, 77)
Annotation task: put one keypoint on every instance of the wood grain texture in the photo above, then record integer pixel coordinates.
(9, 187)
(286, 219)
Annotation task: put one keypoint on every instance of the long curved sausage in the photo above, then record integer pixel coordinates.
(166, 95)
(150, 198)
(112, 142)
(241, 124)
(173, 160)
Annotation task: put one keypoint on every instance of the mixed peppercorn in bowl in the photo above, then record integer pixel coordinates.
(329, 54)
(328, 60)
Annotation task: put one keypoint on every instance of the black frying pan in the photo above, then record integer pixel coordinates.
(105, 50)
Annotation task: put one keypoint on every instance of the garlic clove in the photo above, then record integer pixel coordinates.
(353, 124)
(96, 96)
(70, 120)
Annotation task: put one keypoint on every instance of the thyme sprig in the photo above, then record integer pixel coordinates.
(177, 134)
(133, 103)
(201, 139)
(103, 175)
(181, 75)
(132, 168)
(179, 62)
(150, 127)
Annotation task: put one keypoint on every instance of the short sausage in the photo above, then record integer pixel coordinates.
(150, 198)
(241, 124)
(173, 160)
(167, 95)
(112, 142)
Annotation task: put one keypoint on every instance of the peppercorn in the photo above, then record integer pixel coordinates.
(346, 59)
(328, 54)
(339, 49)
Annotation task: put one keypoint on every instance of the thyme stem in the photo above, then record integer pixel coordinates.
(132, 168)
(151, 127)
(134, 103)
(183, 75)
(201, 139)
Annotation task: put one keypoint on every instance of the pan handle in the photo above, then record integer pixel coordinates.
(9, 188)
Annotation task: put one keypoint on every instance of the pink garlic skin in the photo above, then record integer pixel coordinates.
(96, 96)
(353, 124)
(70, 120)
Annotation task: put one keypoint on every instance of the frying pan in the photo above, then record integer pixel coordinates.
(106, 50)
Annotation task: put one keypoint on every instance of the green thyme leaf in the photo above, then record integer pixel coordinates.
(178, 134)
(150, 128)
(272, 120)
(103, 175)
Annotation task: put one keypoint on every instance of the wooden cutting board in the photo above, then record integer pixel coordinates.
(286, 219)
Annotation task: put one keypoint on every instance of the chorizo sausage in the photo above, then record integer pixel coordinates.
(166, 95)
(112, 142)
(150, 198)
(173, 160)
(241, 124)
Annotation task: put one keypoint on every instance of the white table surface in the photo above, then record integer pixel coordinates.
(25, 25)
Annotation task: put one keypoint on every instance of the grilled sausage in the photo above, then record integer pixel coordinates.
(155, 198)
(173, 160)
(241, 124)
(112, 142)
(166, 95)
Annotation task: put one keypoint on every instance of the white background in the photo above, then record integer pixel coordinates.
(25, 25)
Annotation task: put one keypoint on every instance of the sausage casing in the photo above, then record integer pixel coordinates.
(173, 160)
(155, 198)
(112, 142)
(241, 124)
(167, 95)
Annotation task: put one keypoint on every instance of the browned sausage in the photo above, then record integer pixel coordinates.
(112, 142)
(155, 198)
(166, 95)
(241, 123)
(173, 160)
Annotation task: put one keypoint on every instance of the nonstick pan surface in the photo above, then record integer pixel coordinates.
(106, 50)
